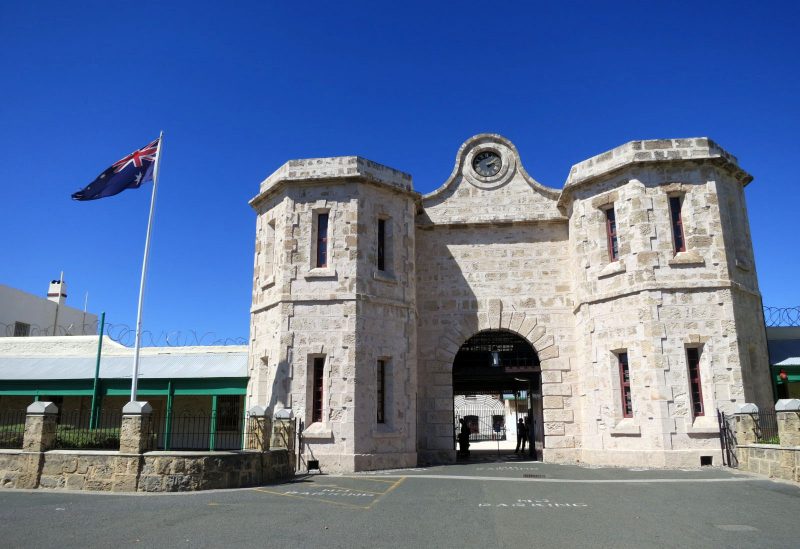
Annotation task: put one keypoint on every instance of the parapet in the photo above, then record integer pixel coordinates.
(652, 151)
(331, 169)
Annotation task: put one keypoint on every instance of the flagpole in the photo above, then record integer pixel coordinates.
(135, 376)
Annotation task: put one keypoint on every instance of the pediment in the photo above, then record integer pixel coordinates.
(489, 185)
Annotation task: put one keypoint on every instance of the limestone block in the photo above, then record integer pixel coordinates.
(552, 402)
(557, 415)
(788, 426)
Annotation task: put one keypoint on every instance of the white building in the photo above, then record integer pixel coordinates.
(625, 304)
(23, 314)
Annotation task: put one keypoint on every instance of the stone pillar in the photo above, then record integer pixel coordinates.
(788, 414)
(259, 429)
(136, 433)
(283, 430)
(746, 424)
(40, 427)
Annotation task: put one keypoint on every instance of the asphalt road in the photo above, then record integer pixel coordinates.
(492, 504)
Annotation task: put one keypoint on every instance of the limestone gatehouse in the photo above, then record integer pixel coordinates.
(625, 306)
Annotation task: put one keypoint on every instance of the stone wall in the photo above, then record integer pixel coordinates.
(780, 460)
(150, 472)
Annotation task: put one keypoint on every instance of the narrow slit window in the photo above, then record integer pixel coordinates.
(625, 385)
(693, 361)
(381, 391)
(316, 390)
(611, 234)
(381, 244)
(675, 204)
(322, 240)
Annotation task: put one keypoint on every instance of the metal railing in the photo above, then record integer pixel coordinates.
(199, 432)
(12, 429)
(73, 431)
(767, 428)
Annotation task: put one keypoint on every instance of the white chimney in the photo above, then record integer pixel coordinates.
(57, 292)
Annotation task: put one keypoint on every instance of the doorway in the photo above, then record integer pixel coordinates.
(496, 383)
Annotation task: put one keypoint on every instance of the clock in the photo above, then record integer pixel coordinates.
(487, 163)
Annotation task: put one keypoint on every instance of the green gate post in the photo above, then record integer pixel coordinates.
(168, 419)
(212, 441)
(96, 385)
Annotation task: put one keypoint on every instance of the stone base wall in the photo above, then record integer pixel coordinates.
(771, 460)
(152, 472)
(641, 458)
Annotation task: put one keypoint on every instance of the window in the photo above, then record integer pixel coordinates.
(675, 204)
(381, 391)
(625, 385)
(21, 329)
(268, 260)
(316, 389)
(693, 360)
(381, 244)
(322, 240)
(611, 234)
(229, 416)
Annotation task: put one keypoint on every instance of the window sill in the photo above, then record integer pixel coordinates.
(689, 258)
(626, 428)
(383, 276)
(703, 425)
(321, 272)
(380, 433)
(267, 282)
(318, 430)
(613, 268)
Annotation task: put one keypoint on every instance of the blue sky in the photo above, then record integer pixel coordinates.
(239, 90)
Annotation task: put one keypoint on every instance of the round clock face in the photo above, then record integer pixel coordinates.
(486, 163)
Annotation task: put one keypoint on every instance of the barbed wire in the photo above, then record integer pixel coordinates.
(126, 335)
(782, 316)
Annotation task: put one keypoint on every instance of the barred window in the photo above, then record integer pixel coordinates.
(322, 240)
(611, 234)
(316, 389)
(381, 391)
(693, 362)
(625, 385)
(676, 218)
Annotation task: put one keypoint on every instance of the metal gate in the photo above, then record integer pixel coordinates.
(727, 438)
(485, 415)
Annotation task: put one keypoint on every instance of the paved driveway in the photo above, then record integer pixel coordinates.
(489, 504)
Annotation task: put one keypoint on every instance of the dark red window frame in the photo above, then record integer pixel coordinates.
(676, 218)
(381, 244)
(316, 389)
(696, 386)
(381, 391)
(625, 385)
(611, 234)
(322, 240)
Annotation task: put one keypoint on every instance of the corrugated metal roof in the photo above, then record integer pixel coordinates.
(161, 366)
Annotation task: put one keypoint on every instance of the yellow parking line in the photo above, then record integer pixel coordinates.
(392, 487)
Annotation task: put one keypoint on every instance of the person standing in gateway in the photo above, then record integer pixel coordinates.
(522, 436)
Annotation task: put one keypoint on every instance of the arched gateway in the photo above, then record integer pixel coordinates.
(496, 374)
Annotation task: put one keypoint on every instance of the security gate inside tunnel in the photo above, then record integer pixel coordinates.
(496, 382)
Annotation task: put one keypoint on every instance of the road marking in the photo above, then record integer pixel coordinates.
(571, 480)
(736, 527)
(286, 495)
(322, 492)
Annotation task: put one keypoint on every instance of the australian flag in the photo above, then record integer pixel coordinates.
(128, 173)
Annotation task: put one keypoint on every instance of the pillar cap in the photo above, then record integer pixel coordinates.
(135, 408)
(788, 405)
(41, 408)
(285, 413)
(257, 411)
(747, 408)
